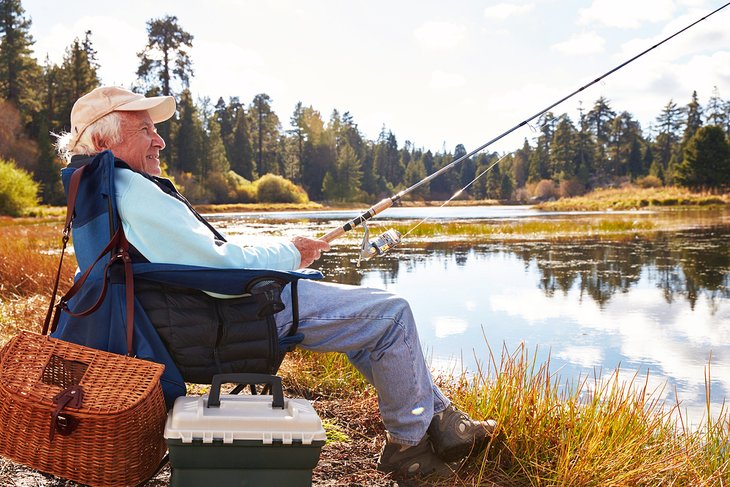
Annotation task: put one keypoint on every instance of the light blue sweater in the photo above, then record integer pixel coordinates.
(164, 230)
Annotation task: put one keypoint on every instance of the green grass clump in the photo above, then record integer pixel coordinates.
(532, 228)
(335, 434)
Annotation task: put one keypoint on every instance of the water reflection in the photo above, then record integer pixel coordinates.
(656, 304)
(683, 265)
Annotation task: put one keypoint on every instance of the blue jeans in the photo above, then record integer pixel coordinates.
(377, 332)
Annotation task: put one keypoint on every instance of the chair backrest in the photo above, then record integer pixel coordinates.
(95, 220)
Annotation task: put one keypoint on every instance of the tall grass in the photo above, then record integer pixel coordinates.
(28, 263)
(599, 431)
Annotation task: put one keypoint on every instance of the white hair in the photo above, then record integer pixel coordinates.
(107, 128)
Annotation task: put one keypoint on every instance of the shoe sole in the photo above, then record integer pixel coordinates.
(461, 451)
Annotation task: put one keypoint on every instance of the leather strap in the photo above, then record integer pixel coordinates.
(64, 424)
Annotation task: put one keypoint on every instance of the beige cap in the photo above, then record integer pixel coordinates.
(107, 99)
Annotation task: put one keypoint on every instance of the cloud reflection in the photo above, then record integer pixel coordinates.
(445, 326)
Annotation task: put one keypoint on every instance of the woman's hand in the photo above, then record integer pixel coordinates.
(310, 249)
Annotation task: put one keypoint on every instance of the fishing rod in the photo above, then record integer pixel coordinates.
(391, 237)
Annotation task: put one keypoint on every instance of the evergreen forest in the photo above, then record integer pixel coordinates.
(218, 148)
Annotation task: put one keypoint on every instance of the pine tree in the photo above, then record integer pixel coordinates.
(466, 170)
(706, 162)
(188, 138)
(388, 165)
(165, 57)
(76, 76)
(318, 157)
(692, 122)
(694, 118)
(415, 172)
(494, 179)
(665, 144)
(297, 133)
(585, 151)
(264, 130)
(20, 74)
(599, 119)
(237, 140)
(539, 167)
(521, 164)
(214, 158)
(351, 133)
(563, 150)
(624, 131)
(635, 164)
(715, 110)
(48, 170)
(343, 182)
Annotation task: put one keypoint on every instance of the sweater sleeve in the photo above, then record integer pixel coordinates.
(164, 230)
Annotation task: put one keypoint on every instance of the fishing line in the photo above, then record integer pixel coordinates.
(390, 238)
(457, 194)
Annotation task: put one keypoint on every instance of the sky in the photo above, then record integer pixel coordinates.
(434, 73)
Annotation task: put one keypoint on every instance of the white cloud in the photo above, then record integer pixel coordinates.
(443, 81)
(440, 35)
(626, 13)
(503, 11)
(580, 44)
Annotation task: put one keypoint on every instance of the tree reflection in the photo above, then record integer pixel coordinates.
(682, 265)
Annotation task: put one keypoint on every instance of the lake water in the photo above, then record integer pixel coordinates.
(657, 303)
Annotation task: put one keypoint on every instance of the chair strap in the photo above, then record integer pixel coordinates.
(73, 190)
(118, 245)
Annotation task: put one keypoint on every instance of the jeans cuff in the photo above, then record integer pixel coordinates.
(392, 439)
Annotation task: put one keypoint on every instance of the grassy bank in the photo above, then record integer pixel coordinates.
(632, 198)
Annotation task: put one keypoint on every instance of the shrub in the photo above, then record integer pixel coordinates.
(190, 186)
(649, 182)
(546, 190)
(571, 187)
(243, 190)
(18, 191)
(521, 195)
(271, 188)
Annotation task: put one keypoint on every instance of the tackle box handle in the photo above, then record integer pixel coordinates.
(273, 381)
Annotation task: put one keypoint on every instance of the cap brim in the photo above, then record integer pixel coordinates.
(160, 108)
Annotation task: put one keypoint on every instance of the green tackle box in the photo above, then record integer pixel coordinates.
(243, 440)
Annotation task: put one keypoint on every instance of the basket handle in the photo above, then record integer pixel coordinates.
(273, 381)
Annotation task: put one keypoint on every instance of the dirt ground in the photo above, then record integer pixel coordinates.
(342, 463)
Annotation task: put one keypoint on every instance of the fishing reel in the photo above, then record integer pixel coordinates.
(383, 243)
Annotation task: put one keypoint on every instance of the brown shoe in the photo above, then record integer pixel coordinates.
(454, 435)
(412, 461)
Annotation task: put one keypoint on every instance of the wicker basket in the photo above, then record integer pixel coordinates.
(113, 438)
